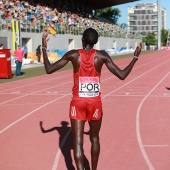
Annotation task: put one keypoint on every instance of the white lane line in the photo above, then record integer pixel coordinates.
(137, 78)
(31, 84)
(43, 90)
(139, 139)
(137, 95)
(62, 144)
(55, 164)
(33, 93)
(38, 107)
(156, 145)
(69, 76)
(12, 124)
(55, 86)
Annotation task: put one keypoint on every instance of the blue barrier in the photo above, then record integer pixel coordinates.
(60, 53)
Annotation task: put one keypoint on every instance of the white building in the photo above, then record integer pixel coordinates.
(143, 19)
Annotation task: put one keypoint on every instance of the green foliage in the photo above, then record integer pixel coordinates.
(123, 26)
(150, 39)
(164, 36)
(111, 14)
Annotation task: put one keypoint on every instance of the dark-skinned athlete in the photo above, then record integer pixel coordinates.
(86, 102)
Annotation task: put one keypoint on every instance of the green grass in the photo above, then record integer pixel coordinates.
(40, 70)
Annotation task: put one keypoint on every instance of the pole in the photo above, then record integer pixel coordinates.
(159, 24)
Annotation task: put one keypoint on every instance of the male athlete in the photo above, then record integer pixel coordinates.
(86, 101)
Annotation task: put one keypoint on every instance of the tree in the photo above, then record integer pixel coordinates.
(123, 26)
(111, 14)
(164, 36)
(150, 39)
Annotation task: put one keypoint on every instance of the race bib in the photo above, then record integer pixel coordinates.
(89, 86)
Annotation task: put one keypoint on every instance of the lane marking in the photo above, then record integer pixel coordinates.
(137, 77)
(69, 94)
(57, 85)
(31, 84)
(55, 164)
(38, 107)
(139, 139)
(69, 76)
(12, 124)
(156, 145)
(140, 95)
(33, 93)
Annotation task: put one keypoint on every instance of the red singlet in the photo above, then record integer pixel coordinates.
(86, 103)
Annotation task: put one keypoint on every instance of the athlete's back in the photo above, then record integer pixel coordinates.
(86, 79)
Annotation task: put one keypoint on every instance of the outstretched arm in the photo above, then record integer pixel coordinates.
(48, 130)
(50, 68)
(122, 74)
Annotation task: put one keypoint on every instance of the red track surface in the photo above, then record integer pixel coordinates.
(136, 123)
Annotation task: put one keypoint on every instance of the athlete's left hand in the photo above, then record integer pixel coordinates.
(138, 50)
(45, 40)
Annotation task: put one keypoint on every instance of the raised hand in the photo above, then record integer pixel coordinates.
(45, 39)
(41, 123)
(138, 50)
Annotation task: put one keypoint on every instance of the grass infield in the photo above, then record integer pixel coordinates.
(40, 70)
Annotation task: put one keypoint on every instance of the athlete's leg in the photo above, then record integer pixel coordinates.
(78, 130)
(95, 143)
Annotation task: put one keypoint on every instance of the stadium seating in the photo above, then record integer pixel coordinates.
(36, 17)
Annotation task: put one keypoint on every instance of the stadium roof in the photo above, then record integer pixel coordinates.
(99, 4)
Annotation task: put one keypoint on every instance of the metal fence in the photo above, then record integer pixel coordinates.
(38, 27)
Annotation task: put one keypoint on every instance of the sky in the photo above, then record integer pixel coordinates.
(124, 14)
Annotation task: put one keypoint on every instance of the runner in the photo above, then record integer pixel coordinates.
(86, 102)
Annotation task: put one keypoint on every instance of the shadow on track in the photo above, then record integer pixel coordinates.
(65, 144)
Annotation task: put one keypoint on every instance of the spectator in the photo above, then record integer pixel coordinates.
(38, 53)
(25, 48)
(18, 54)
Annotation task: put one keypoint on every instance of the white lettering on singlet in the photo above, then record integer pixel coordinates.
(89, 86)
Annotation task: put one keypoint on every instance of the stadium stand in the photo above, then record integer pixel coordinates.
(35, 16)
(66, 17)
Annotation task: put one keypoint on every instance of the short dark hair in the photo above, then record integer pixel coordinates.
(90, 36)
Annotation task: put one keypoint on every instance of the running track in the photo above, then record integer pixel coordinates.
(135, 133)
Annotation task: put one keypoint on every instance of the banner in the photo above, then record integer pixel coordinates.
(15, 34)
